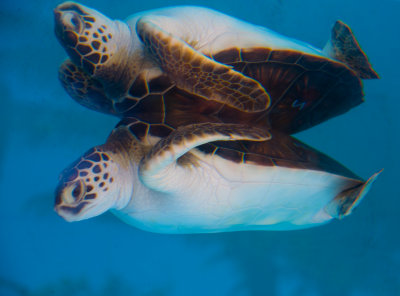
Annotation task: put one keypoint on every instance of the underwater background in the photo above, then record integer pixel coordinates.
(43, 130)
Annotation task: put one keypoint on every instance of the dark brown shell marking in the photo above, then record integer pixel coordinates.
(305, 90)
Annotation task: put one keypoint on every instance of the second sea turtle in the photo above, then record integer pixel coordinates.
(179, 64)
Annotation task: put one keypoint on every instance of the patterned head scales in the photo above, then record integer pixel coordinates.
(87, 35)
(84, 89)
(88, 187)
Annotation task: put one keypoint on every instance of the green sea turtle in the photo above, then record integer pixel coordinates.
(208, 177)
(194, 61)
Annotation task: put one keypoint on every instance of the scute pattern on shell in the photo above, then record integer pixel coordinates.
(305, 90)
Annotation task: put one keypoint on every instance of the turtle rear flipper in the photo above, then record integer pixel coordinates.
(344, 47)
(346, 201)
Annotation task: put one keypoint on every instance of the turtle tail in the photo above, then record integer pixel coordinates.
(346, 201)
(344, 47)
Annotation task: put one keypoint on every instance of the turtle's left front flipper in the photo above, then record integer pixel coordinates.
(154, 167)
(197, 73)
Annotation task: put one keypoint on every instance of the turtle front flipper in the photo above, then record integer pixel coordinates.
(84, 89)
(156, 165)
(196, 73)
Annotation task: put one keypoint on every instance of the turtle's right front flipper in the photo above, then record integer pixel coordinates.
(154, 167)
(196, 73)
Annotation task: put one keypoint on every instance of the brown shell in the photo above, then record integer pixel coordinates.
(305, 90)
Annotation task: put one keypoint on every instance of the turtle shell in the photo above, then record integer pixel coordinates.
(305, 90)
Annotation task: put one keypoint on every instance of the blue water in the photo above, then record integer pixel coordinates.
(43, 130)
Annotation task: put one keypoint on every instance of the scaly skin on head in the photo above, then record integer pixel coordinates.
(84, 89)
(98, 45)
(96, 182)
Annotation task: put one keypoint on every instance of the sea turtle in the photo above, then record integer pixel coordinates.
(195, 61)
(208, 177)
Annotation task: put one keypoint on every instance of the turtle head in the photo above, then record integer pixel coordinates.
(94, 42)
(92, 185)
(84, 89)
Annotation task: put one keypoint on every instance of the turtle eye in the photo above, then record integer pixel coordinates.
(72, 21)
(74, 192)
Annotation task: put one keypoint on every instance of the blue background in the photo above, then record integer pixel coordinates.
(43, 130)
